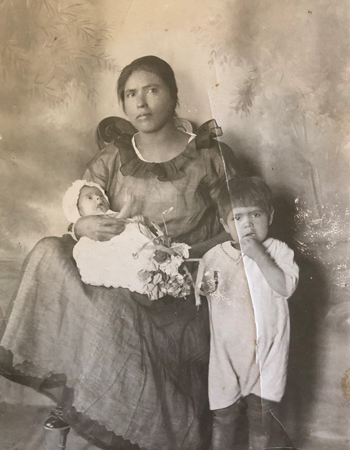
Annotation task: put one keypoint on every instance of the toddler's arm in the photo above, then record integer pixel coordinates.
(273, 274)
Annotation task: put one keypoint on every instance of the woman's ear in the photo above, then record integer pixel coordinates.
(271, 216)
(223, 223)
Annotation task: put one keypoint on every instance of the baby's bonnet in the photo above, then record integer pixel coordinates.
(71, 197)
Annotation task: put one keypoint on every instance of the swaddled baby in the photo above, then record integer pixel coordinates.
(113, 263)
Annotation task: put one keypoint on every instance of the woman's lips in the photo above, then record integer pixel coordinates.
(143, 116)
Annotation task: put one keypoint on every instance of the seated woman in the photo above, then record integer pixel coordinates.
(127, 372)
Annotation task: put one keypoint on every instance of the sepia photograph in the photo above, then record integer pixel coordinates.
(175, 225)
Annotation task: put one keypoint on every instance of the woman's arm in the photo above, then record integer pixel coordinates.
(198, 250)
(99, 228)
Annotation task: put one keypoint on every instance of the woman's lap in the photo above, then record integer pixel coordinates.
(137, 368)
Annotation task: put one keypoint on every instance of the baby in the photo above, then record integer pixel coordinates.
(247, 282)
(85, 198)
(110, 263)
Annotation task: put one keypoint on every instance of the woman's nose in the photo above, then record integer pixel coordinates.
(141, 100)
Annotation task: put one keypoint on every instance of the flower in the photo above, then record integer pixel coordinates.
(145, 275)
(161, 256)
(164, 272)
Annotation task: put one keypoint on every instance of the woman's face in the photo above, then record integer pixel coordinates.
(147, 101)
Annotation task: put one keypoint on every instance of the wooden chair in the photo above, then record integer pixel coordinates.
(115, 129)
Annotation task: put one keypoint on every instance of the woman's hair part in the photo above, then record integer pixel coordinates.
(151, 64)
(245, 192)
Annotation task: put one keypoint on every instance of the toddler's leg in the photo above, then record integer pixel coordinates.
(225, 426)
(260, 420)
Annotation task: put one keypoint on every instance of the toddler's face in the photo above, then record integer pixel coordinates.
(248, 221)
(92, 202)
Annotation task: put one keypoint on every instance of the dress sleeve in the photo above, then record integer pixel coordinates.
(102, 167)
(220, 167)
(97, 171)
(230, 161)
(284, 258)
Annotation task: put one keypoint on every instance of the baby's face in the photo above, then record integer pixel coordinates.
(248, 221)
(91, 201)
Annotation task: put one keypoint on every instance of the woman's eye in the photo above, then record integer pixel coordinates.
(237, 218)
(130, 94)
(153, 90)
(256, 215)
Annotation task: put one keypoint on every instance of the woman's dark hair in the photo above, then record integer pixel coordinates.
(151, 64)
(245, 192)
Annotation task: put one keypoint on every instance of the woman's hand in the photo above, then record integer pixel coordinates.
(99, 228)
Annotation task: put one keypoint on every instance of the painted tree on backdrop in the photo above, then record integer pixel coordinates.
(285, 65)
(51, 50)
(52, 55)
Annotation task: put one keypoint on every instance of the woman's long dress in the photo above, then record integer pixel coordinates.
(132, 370)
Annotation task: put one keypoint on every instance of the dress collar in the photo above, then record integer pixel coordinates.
(137, 151)
(132, 165)
(232, 252)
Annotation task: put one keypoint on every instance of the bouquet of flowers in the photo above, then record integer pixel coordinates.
(164, 272)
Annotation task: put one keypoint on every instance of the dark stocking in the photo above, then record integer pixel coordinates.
(226, 422)
(260, 420)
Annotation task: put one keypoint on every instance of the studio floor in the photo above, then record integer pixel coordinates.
(314, 412)
(21, 428)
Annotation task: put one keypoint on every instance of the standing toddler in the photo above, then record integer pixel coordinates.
(247, 282)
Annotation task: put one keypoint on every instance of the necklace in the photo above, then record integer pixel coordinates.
(236, 260)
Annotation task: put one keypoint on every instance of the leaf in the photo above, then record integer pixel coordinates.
(157, 278)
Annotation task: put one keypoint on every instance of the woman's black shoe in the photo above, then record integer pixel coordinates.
(55, 420)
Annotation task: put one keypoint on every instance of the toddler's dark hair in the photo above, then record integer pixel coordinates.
(245, 192)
